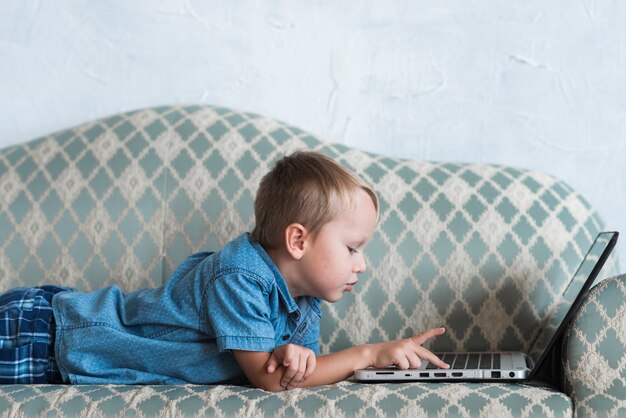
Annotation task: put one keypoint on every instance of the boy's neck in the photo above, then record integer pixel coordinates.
(287, 268)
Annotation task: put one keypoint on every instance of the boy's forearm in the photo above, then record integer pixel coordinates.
(338, 366)
(330, 368)
(335, 367)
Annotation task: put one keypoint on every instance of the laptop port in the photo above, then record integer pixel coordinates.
(495, 375)
(457, 374)
(440, 375)
(511, 374)
(424, 374)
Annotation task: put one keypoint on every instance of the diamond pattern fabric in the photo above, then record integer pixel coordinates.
(345, 399)
(482, 249)
(596, 363)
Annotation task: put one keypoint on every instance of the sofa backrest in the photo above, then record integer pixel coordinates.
(482, 249)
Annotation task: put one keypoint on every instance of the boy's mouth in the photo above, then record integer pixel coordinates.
(349, 286)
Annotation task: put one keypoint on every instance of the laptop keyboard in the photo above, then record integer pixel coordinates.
(469, 360)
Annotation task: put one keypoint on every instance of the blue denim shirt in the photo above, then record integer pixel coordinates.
(182, 332)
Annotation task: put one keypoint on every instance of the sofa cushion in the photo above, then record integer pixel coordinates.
(343, 399)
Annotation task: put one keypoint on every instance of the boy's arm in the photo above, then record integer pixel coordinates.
(330, 368)
(335, 367)
(254, 366)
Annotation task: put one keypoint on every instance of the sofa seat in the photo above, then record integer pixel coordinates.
(343, 399)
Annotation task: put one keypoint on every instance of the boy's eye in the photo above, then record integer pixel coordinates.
(353, 250)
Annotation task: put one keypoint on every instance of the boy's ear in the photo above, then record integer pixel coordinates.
(295, 235)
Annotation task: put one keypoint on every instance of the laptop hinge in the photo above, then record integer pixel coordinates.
(551, 371)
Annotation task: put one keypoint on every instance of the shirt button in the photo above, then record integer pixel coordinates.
(286, 337)
(295, 315)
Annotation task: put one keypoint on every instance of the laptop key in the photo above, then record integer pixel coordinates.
(485, 361)
(460, 361)
(442, 356)
(472, 362)
(496, 361)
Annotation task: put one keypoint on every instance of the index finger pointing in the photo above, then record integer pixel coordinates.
(427, 335)
(431, 358)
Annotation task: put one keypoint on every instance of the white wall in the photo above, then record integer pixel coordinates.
(536, 84)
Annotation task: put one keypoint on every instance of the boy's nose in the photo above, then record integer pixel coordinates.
(360, 267)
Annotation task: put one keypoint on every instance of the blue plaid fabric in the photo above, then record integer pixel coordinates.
(27, 336)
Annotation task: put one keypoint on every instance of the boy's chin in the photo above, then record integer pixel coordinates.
(333, 298)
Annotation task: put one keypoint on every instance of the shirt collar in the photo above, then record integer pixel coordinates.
(314, 303)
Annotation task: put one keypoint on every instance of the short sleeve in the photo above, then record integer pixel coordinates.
(238, 310)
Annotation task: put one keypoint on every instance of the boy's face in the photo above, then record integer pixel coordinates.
(334, 256)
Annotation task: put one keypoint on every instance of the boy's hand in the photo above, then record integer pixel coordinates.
(407, 353)
(299, 363)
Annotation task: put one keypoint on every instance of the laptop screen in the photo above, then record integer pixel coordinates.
(567, 306)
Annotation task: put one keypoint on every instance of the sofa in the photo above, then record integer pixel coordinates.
(485, 250)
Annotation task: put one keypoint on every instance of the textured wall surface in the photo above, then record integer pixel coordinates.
(534, 84)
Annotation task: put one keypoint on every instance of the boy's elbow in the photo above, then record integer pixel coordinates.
(272, 388)
(267, 385)
(266, 381)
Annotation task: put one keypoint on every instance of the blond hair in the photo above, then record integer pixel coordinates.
(305, 187)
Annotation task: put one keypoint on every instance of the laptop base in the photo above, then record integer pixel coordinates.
(511, 366)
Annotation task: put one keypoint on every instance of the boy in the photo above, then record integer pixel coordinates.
(251, 309)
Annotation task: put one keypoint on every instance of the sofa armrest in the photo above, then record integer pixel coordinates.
(595, 366)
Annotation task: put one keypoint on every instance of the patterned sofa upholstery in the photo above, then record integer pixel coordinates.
(483, 249)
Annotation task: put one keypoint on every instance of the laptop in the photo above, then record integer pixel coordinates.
(510, 366)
